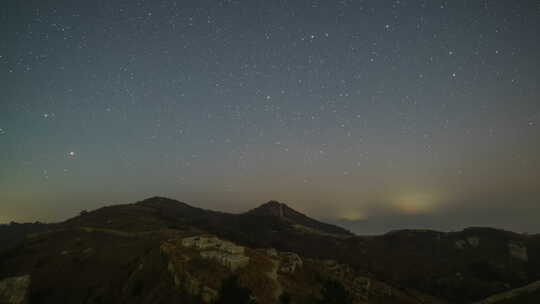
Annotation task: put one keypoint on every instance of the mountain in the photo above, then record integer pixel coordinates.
(137, 253)
(13, 233)
(299, 220)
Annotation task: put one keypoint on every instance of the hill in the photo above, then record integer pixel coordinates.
(136, 253)
(13, 233)
(297, 219)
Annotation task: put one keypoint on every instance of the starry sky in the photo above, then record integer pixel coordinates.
(376, 115)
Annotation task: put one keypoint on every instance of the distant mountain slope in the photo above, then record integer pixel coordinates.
(13, 233)
(173, 209)
(284, 212)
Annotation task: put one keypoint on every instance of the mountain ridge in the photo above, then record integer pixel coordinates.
(460, 267)
(272, 210)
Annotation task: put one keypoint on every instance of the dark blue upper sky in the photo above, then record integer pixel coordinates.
(381, 114)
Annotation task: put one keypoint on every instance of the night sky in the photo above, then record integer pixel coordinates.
(373, 114)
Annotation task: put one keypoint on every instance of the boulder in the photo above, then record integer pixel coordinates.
(14, 290)
(518, 251)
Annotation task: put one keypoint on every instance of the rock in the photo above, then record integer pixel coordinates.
(231, 261)
(209, 295)
(518, 251)
(195, 287)
(212, 242)
(226, 253)
(460, 244)
(14, 290)
(331, 264)
(473, 241)
(289, 262)
(271, 252)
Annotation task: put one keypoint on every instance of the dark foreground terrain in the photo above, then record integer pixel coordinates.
(139, 253)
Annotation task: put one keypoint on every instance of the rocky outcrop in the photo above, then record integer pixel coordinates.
(473, 241)
(271, 252)
(226, 253)
(195, 287)
(518, 251)
(361, 288)
(186, 281)
(231, 261)
(14, 290)
(461, 244)
(290, 261)
(212, 242)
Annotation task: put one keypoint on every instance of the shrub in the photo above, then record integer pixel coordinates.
(232, 292)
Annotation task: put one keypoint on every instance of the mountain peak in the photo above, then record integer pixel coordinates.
(297, 219)
(272, 208)
(171, 208)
